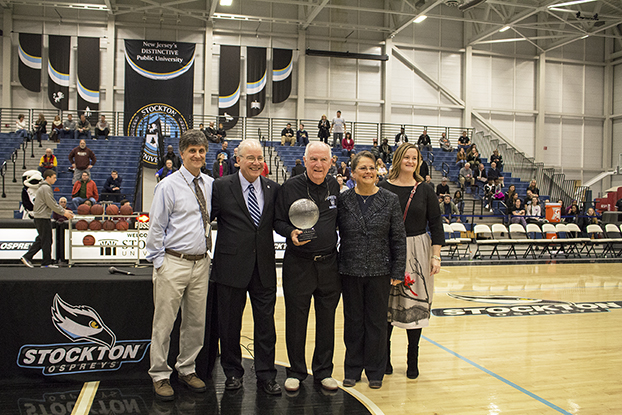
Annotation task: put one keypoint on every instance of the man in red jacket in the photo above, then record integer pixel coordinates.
(84, 190)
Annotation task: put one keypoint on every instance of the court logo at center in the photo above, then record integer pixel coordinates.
(509, 306)
(94, 346)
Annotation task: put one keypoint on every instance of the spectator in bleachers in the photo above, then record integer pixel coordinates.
(302, 136)
(474, 159)
(534, 211)
(112, 187)
(573, 215)
(102, 128)
(82, 159)
(323, 129)
(21, 128)
(449, 211)
(573, 203)
(220, 168)
(528, 197)
(428, 181)
(351, 183)
(338, 128)
(221, 134)
(56, 129)
(465, 176)
(381, 169)
(224, 149)
(287, 135)
(533, 187)
(497, 158)
(167, 170)
(401, 137)
(83, 190)
(266, 170)
(480, 176)
(444, 143)
(83, 128)
(344, 171)
(619, 205)
(342, 186)
(424, 141)
(170, 155)
(234, 167)
(518, 213)
(48, 161)
(509, 195)
(332, 170)
(347, 144)
(375, 150)
(69, 128)
(58, 217)
(211, 133)
(442, 188)
(40, 128)
(461, 157)
(464, 141)
(386, 151)
(495, 175)
(298, 168)
(590, 218)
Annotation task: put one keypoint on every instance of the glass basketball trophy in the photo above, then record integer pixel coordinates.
(304, 214)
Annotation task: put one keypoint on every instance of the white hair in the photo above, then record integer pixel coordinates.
(317, 144)
(249, 142)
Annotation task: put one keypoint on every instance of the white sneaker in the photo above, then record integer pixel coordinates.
(329, 384)
(26, 262)
(291, 384)
(49, 266)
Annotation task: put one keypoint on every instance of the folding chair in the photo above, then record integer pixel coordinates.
(518, 234)
(585, 243)
(613, 237)
(451, 242)
(568, 244)
(596, 234)
(500, 233)
(484, 237)
(459, 227)
(547, 228)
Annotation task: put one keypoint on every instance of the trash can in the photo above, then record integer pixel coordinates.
(553, 212)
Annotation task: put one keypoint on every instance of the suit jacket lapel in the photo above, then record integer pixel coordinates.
(267, 196)
(238, 195)
(352, 204)
(376, 205)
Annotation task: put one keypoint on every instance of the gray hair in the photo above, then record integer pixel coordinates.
(248, 143)
(317, 144)
(192, 138)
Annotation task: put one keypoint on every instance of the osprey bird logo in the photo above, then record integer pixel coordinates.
(81, 323)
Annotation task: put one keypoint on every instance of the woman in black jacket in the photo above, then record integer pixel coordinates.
(371, 253)
(40, 127)
(220, 167)
(323, 129)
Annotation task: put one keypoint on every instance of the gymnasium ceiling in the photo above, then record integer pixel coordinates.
(545, 24)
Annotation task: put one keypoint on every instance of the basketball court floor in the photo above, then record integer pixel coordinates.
(505, 339)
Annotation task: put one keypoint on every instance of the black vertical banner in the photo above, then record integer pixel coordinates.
(159, 86)
(229, 90)
(29, 69)
(87, 81)
(256, 76)
(281, 74)
(58, 70)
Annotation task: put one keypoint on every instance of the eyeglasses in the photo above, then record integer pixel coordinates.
(366, 168)
(252, 159)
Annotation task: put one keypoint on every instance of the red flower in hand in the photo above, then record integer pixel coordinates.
(408, 282)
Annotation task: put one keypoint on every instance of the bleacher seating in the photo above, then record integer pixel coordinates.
(8, 144)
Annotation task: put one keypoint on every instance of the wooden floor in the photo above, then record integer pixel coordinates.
(482, 364)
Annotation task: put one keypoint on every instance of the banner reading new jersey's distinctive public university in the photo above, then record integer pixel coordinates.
(159, 83)
(87, 82)
(29, 67)
(256, 76)
(58, 70)
(229, 88)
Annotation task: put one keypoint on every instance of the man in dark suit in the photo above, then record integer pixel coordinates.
(244, 263)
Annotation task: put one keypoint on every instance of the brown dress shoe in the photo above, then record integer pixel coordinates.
(193, 382)
(163, 390)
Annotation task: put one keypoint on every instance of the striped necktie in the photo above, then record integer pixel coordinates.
(203, 207)
(253, 205)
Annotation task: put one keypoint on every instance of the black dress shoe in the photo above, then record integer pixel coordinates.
(232, 383)
(270, 387)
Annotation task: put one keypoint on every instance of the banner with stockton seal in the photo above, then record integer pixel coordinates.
(229, 88)
(282, 64)
(159, 84)
(29, 66)
(256, 76)
(59, 49)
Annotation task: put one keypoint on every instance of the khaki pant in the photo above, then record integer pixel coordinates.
(292, 140)
(179, 283)
(470, 181)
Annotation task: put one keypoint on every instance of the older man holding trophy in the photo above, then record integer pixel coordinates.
(306, 215)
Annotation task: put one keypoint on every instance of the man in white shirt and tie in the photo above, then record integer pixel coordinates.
(243, 204)
(177, 244)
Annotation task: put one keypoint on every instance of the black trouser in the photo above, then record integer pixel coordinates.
(42, 242)
(104, 132)
(231, 302)
(365, 304)
(302, 279)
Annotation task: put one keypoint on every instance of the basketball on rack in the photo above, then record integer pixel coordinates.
(88, 240)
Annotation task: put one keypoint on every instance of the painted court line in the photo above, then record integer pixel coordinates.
(85, 400)
(502, 379)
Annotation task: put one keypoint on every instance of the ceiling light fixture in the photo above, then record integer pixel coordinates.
(504, 28)
(570, 3)
(226, 2)
(420, 18)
